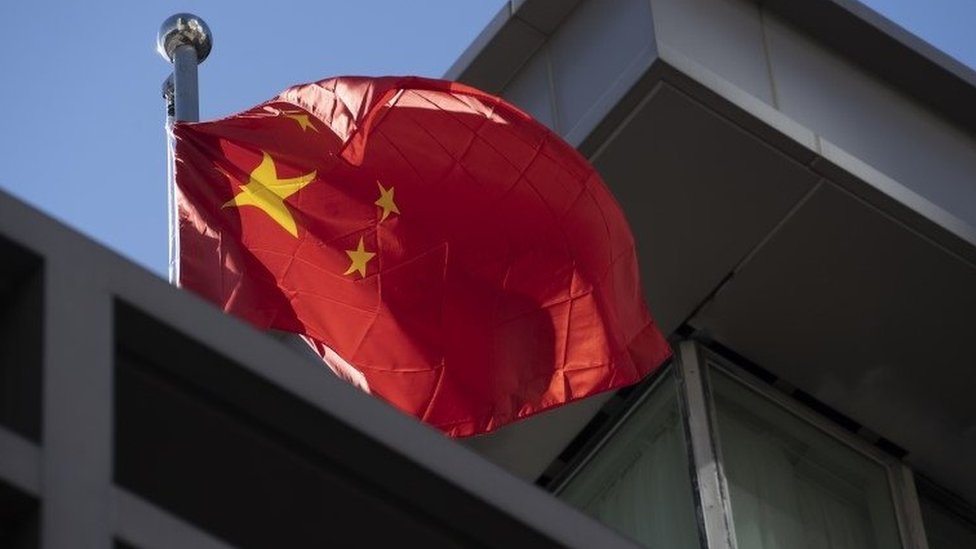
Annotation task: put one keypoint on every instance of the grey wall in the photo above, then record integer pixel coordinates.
(744, 52)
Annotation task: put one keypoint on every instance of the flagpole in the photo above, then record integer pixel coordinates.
(185, 41)
(171, 221)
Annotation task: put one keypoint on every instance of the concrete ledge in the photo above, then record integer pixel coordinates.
(888, 51)
(144, 525)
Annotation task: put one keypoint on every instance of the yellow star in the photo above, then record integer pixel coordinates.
(303, 122)
(268, 193)
(359, 258)
(386, 202)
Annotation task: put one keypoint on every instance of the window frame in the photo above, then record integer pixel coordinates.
(901, 480)
(603, 437)
(691, 370)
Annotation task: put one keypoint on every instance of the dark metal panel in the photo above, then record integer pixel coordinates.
(870, 318)
(240, 458)
(18, 519)
(21, 297)
(699, 193)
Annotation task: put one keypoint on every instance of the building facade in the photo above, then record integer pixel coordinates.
(800, 177)
(801, 181)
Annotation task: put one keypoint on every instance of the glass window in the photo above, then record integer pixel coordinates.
(791, 484)
(638, 482)
(944, 528)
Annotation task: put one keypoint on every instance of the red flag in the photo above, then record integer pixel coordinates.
(462, 261)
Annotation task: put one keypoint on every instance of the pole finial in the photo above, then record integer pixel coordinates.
(184, 29)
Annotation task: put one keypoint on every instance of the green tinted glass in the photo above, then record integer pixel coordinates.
(638, 482)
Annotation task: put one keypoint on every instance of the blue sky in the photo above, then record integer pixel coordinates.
(81, 136)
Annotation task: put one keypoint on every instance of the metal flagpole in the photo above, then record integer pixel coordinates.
(185, 41)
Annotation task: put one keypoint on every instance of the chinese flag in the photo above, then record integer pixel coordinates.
(438, 246)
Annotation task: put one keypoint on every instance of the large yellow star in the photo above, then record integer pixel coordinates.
(359, 258)
(303, 122)
(386, 202)
(268, 193)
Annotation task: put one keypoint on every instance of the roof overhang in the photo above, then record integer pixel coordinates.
(850, 28)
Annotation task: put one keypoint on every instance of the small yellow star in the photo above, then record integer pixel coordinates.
(359, 258)
(386, 202)
(302, 119)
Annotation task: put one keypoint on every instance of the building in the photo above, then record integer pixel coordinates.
(801, 180)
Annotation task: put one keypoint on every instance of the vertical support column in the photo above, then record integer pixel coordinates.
(910, 523)
(76, 462)
(714, 505)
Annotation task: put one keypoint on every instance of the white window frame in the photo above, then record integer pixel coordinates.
(694, 363)
(602, 439)
(691, 373)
